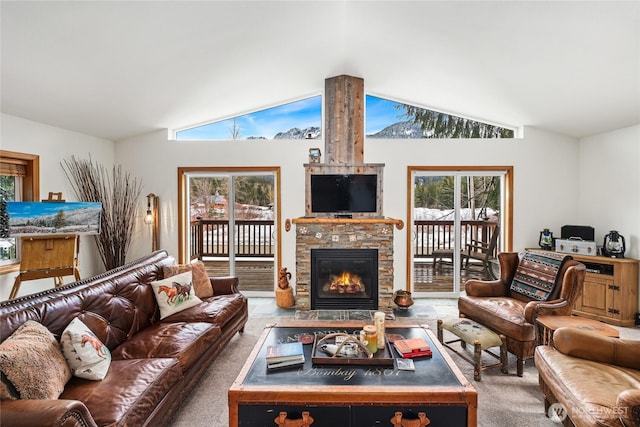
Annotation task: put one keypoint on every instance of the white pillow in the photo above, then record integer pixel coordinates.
(86, 356)
(175, 294)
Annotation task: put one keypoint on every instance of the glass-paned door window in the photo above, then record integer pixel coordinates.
(232, 226)
(456, 221)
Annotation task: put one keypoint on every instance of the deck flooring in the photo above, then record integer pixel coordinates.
(260, 275)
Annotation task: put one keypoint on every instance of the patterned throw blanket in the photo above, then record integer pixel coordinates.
(538, 273)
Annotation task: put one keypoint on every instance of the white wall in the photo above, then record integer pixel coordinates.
(545, 190)
(545, 169)
(156, 159)
(557, 179)
(609, 185)
(53, 145)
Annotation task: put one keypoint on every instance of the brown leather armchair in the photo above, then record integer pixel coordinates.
(595, 378)
(494, 305)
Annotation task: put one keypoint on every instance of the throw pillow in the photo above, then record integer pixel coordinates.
(87, 357)
(31, 364)
(201, 282)
(538, 273)
(175, 294)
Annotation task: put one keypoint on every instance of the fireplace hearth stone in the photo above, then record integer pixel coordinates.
(357, 315)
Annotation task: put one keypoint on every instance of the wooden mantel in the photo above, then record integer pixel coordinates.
(308, 220)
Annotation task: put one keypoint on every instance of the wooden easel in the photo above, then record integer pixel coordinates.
(43, 257)
(54, 197)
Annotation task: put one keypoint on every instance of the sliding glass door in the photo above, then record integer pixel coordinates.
(232, 226)
(456, 218)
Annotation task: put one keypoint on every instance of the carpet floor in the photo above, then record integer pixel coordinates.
(503, 400)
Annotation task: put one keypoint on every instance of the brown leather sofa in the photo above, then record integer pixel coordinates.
(595, 378)
(494, 305)
(155, 363)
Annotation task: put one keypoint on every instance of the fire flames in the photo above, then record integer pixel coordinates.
(345, 283)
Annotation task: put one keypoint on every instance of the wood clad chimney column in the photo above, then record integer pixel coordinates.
(344, 127)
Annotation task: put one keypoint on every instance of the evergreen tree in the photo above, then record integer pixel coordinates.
(440, 125)
(59, 220)
(4, 216)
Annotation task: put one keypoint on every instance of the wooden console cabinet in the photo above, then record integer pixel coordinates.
(610, 292)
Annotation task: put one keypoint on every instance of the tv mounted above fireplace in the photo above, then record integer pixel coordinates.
(344, 194)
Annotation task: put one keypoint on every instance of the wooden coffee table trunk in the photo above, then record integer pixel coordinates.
(350, 395)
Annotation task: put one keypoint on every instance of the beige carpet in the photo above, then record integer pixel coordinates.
(503, 400)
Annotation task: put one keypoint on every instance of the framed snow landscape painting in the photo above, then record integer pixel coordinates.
(38, 218)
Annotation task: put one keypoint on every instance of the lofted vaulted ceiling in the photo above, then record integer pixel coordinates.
(116, 69)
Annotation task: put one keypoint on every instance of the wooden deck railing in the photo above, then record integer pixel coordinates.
(432, 235)
(254, 238)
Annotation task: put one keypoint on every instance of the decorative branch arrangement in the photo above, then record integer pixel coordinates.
(119, 193)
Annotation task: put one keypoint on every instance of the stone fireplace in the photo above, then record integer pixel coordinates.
(340, 233)
(363, 240)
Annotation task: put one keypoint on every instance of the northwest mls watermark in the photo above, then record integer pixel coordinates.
(558, 412)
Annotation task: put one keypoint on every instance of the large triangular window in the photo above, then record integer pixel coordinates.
(391, 119)
(295, 120)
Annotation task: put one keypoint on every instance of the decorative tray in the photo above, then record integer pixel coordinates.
(352, 357)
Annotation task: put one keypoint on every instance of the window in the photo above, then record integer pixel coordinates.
(295, 120)
(390, 119)
(19, 181)
(384, 119)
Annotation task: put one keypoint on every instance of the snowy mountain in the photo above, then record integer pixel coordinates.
(408, 129)
(295, 133)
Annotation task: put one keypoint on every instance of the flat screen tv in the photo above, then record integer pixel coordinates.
(344, 193)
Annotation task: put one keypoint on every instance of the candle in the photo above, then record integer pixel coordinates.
(371, 337)
(378, 320)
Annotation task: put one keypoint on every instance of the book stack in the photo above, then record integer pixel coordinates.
(412, 347)
(283, 355)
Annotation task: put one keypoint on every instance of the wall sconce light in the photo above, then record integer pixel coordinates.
(153, 218)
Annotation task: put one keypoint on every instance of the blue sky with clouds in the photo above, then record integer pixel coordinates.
(379, 113)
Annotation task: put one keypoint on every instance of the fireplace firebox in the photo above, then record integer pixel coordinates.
(343, 279)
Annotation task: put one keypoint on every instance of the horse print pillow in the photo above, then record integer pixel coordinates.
(86, 356)
(201, 283)
(175, 294)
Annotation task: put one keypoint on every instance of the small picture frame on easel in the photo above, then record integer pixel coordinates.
(314, 155)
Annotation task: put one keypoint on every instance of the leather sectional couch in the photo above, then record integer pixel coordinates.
(593, 380)
(155, 363)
